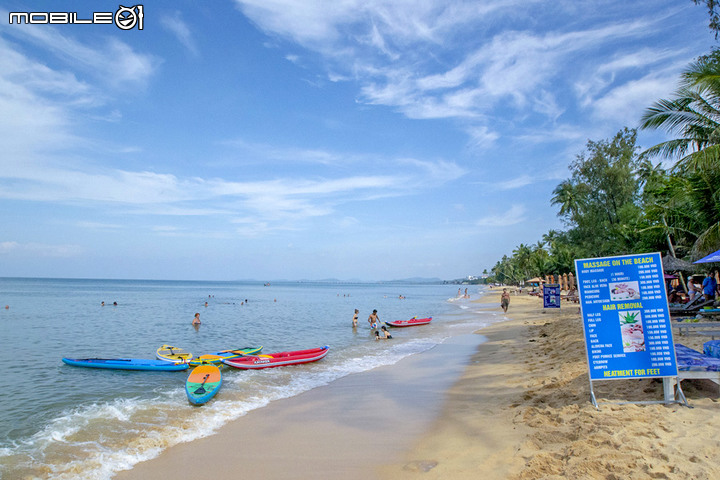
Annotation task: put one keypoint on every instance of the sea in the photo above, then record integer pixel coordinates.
(63, 422)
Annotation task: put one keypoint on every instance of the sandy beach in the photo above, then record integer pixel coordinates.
(514, 407)
(522, 411)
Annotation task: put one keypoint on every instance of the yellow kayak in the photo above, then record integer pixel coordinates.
(173, 354)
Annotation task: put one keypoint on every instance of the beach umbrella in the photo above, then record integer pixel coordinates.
(712, 258)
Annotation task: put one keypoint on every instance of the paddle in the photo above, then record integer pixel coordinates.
(200, 390)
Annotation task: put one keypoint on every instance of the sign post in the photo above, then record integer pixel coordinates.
(551, 296)
(626, 320)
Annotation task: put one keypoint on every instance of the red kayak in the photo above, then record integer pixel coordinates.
(278, 359)
(410, 323)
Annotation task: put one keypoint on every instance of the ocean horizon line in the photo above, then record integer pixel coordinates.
(412, 280)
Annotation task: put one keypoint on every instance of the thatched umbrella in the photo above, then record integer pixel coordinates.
(672, 264)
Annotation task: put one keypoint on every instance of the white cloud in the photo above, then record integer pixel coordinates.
(513, 183)
(482, 136)
(40, 250)
(625, 103)
(177, 26)
(112, 62)
(271, 204)
(515, 215)
(43, 103)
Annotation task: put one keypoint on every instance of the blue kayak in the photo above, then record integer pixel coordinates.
(126, 364)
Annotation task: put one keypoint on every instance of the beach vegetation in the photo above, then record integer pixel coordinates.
(622, 200)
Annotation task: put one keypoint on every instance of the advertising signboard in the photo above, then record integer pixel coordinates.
(626, 319)
(551, 296)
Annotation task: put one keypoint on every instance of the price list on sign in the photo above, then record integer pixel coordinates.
(626, 318)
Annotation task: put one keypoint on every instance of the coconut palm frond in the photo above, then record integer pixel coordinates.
(707, 242)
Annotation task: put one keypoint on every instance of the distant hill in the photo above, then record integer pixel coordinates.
(416, 280)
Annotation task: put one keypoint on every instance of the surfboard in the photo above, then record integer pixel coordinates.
(203, 383)
(126, 364)
(173, 354)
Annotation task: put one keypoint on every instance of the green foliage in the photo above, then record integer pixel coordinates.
(616, 201)
(688, 202)
(600, 199)
(712, 7)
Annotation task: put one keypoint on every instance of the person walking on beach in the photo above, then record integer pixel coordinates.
(505, 300)
(196, 320)
(373, 319)
(355, 318)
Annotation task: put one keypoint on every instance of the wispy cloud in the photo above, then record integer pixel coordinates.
(413, 56)
(40, 249)
(515, 215)
(112, 61)
(270, 203)
(177, 26)
(39, 100)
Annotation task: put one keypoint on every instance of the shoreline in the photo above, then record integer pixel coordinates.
(346, 428)
(517, 406)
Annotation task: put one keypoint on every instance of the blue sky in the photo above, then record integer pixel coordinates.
(279, 139)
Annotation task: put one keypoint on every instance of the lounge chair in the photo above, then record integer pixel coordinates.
(691, 307)
(712, 348)
(695, 365)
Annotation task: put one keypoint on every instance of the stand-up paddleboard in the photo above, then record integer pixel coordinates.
(203, 383)
(409, 323)
(126, 364)
(217, 357)
(173, 354)
(280, 359)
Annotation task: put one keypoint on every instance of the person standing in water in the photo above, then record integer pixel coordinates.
(373, 319)
(355, 318)
(196, 320)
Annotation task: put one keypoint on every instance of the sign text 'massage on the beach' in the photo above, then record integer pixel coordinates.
(626, 319)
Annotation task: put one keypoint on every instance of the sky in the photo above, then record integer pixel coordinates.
(277, 139)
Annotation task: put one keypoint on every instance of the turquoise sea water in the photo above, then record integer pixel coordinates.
(65, 422)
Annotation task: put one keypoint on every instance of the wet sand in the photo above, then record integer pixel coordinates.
(342, 430)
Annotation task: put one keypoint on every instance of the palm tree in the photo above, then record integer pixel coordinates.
(570, 199)
(693, 115)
